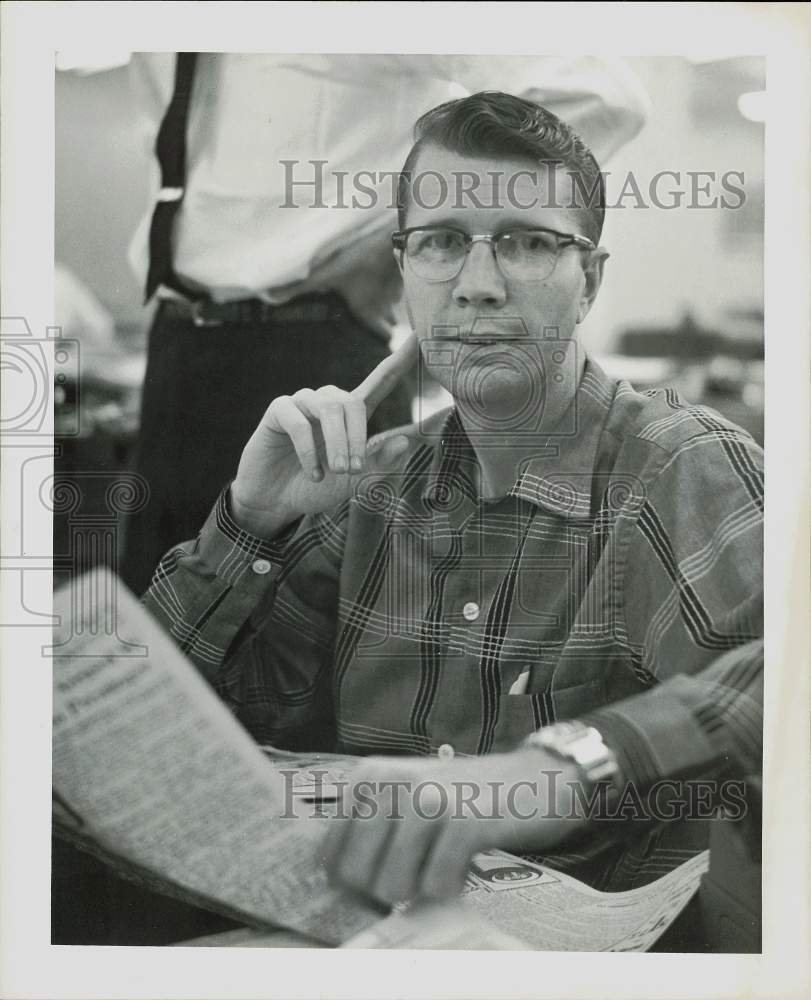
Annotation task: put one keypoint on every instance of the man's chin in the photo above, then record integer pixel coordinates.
(481, 375)
(499, 396)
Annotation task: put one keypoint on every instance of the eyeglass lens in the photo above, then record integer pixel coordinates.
(439, 254)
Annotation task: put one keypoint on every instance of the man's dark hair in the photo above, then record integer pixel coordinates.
(500, 125)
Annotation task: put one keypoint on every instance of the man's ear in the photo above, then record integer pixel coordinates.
(593, 271)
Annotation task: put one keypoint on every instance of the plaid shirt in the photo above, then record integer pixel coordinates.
(623, 572)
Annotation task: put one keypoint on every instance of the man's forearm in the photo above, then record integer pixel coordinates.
(204, 589)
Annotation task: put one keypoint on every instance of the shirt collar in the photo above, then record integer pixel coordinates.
(561, 480)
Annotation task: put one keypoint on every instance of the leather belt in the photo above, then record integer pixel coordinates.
(205, 313)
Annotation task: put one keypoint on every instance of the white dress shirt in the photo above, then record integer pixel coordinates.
(249, 112)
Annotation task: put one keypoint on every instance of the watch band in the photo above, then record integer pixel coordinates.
(582, 744)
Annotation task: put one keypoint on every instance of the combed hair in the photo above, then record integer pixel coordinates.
(498, 125)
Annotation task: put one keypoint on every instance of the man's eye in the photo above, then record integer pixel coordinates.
(442, 239)
(436, 241)
(533, 242)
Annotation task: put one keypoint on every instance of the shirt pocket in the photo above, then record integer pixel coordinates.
(575, 699)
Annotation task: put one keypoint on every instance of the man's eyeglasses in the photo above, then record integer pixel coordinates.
(437, 253)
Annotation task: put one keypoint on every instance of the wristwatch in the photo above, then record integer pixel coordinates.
(584, 745)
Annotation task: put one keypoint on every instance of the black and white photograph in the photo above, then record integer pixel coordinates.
(385, 507)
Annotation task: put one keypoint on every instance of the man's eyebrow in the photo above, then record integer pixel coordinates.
(521, 222)
(450, 223)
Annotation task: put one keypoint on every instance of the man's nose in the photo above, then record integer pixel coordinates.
(480, 281)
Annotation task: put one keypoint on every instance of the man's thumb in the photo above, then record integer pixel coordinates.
(385, 448)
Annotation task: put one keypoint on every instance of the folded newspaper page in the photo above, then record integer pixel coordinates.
(152, 773)
(542, 910)
(524, 905)
(508, 901)
(513, 905)
(152, 766)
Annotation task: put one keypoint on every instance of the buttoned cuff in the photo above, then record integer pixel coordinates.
(235, 555)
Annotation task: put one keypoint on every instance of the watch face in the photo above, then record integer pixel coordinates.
(585, 747)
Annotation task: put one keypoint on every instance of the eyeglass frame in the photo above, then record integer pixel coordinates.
(400, 238)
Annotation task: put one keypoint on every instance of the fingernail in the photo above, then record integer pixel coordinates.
(340, 463)
(356, 463)
(318, 474)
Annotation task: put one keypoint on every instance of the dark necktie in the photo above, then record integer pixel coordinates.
(170, 149)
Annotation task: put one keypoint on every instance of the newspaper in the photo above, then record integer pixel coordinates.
(150, 764)
(524, 905)
(543, 910)
(151, 771)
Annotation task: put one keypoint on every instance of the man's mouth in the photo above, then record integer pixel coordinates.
(486, 331)
(489, 341)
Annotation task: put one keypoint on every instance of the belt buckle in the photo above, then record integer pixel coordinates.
(198, 317)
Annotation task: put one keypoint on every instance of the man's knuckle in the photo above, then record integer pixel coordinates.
(332, 392)
(299, 421)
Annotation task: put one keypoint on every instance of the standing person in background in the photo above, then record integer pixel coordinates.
(261, 294)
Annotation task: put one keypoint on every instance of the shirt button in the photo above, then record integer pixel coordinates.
(261, 566)
(445, 752)
(471, 611)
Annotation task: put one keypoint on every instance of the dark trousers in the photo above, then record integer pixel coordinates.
(205, 391)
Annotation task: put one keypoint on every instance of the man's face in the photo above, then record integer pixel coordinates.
(503, 347)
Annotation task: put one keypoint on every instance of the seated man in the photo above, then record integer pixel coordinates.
(552, 587)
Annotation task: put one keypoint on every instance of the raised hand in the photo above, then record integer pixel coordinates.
(311, 449)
